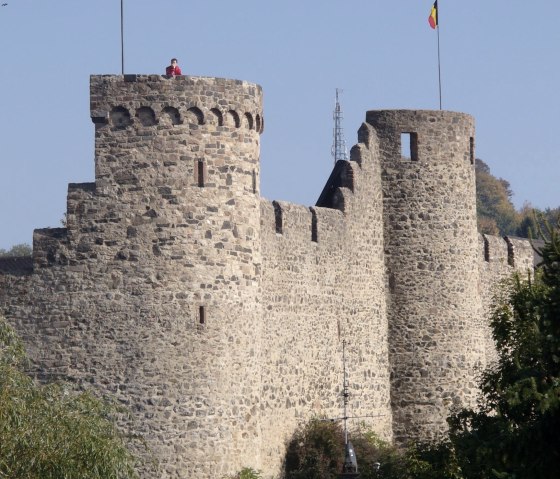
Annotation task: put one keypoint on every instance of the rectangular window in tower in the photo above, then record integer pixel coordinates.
(409, 146)
(277, 217)
(471, 150)
(201, 315)
(200, 172)
(313, 225)
(486, 249)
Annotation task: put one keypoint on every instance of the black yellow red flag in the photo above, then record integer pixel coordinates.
(433, 18)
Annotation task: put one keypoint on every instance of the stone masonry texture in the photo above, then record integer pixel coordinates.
(217, 317)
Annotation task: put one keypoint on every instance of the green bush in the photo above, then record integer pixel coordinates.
(21, 249)
(316, 451)
(246, 473)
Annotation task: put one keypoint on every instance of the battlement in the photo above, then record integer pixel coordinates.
(152, 100)
(516, 253)
(297, 224)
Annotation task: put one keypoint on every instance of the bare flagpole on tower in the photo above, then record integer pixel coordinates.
(122, 37)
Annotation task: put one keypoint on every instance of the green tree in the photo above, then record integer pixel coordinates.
(496, 213)
(532, 220)
(17, 250)
(429, 461)
(514, 432)
(51, 432)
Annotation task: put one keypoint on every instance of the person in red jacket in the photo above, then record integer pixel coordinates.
(173, 69)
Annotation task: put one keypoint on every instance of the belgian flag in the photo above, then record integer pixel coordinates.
(433, 18)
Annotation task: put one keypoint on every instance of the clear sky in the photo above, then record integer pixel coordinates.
(500, 62)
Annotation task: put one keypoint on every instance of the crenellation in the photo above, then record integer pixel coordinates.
(330, 221)
(49, 247)
(358, 152)
(79, 199)
(520, 254)
(217, 317)
(496, 250)
(507, 253)
(367, 137)
(295, 221)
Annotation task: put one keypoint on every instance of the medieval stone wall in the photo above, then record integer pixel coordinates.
(323, 283)
(497, 258)
(218, 317)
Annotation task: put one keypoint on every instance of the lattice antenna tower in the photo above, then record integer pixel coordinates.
(338, 151)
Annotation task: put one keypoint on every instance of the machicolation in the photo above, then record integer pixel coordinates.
(217, 316)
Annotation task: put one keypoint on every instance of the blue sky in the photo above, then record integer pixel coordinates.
(500, 63)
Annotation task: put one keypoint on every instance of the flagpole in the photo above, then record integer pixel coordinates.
(438, 56)
(122, 38)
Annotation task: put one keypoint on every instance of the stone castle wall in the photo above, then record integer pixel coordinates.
(218, 316)
(323, 283)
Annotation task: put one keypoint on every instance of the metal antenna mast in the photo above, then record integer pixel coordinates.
(350, 467)
(338, 151)
(345, 393)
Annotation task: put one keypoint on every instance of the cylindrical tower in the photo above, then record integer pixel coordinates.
(170, 234)
(429, 203)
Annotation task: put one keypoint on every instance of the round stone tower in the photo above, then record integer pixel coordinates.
(428, 181)
(171, 236)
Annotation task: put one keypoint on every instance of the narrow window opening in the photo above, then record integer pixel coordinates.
(471, 150)
(277, 217)
(313, 225)
(486, 250)
(511, 252)
(201, 315)
(254, 182)
(409, 146)
(200, 170)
